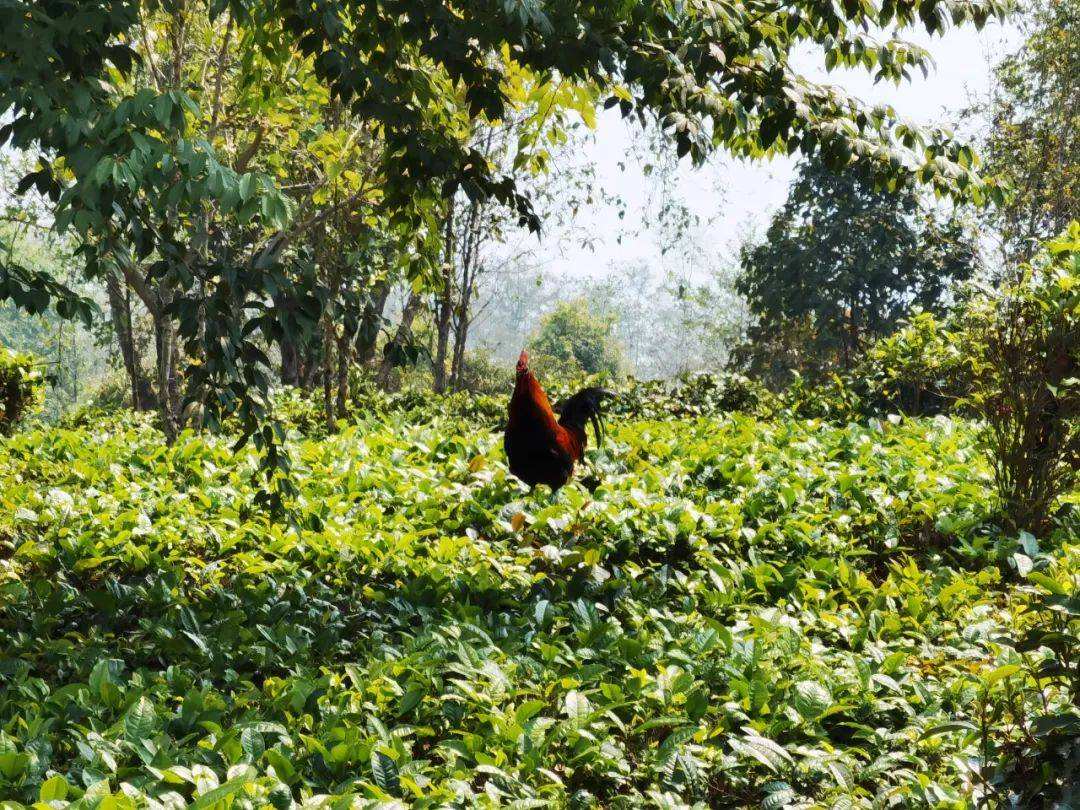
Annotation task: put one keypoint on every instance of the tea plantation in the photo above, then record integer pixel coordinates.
(721, 612)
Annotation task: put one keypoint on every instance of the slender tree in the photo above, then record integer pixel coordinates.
(1033, 138)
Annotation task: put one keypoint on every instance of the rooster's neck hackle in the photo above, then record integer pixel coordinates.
(529, 396)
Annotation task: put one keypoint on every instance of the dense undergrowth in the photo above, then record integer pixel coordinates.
(726, 611)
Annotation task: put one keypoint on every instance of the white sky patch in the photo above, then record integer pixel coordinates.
(733, 196)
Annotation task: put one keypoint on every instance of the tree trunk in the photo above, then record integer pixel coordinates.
(464, 316)
(290, 363)
(367, 336)
(461, 325)
(120, 311)
(461, 337)
(329, 342)
(470, 252)
(168, 384)
(404, 330)
(343, 358)
(328, 373)
(445, 308)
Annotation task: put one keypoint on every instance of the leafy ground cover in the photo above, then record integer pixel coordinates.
(722, 612)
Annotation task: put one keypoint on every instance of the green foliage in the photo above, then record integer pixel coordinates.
(924, 368)
(1031, 746)
(1034, 133)
(740, 612)
(839, 267)
(483, 374)
(692, 395)
(571, 339)
(835, 399)
(112, 393)
(1026, 345)
(22, 388)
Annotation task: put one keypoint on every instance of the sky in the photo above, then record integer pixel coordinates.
(733, 197)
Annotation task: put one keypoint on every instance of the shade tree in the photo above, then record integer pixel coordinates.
(1033, 129)
(841, 264)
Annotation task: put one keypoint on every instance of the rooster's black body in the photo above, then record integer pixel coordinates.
(540, 448)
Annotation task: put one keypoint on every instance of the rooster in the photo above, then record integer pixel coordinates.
(541, 449)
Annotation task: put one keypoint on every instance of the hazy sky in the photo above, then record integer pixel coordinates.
(734, 195)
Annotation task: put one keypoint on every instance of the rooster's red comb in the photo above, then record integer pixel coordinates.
(523, 362)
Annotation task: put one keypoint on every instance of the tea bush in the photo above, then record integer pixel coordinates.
(836, 398)
(692, 395)
(923, 369)
(743, 612)
(689, 396)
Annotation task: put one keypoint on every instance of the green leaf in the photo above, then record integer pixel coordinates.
(103, 680)
(55, 788)
(13, 763)
(224, 791)
(541, 611)
(140, 721)
(281, 764)
(577, 707)
(251, 742)
(811, 699)
(1029, 544)
(764, 750)
(1023, 564)
(1002, 672)
(528, 710)
(946, 728)
(385, 772)
(163, 108)
(411, 699)
(777, 795)
(1049, 583)
(247, 186)
(697, 704)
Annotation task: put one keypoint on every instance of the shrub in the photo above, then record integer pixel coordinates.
(302, 411)
(922, 370)
(571, 338)
(783, 354)
(299, 410)
(22, 388)
(705, 625)
(483, 374)
(112, 392)
(1029, 709)
(703, 394)
(1026, 384)
(835, 398)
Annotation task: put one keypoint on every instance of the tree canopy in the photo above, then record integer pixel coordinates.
(841, 264)
(578, 339)
(1034, 129)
